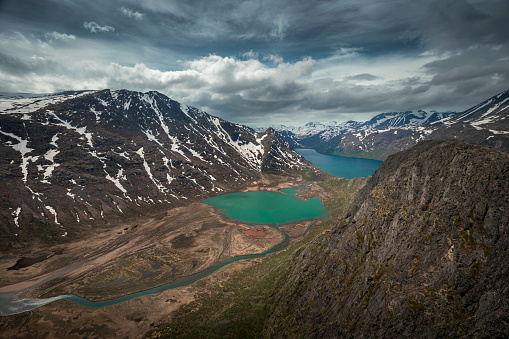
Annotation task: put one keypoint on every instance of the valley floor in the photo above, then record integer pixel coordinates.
(135, 257)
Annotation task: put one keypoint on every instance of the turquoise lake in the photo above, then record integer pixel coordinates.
(268, 207)
(342, 167)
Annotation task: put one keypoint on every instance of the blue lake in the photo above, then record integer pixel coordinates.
(342, 167)
(255, 207)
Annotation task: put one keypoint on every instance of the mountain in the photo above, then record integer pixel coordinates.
(326, 137)
(404, 119)
(486, 124)
(387, 133)
(422, 252)
(78, 159)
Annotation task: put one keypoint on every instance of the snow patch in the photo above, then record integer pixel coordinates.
(97, 114)
(151, 136)
(161, 188)
(196, 154)
(498, 132)
(116, 180)
(52, 211)
(22, 147)
(102, 102)
(15, 214)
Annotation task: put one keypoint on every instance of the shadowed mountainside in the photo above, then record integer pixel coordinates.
(423, 252)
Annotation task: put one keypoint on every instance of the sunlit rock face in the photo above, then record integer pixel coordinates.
(78, 158)
(422, 251)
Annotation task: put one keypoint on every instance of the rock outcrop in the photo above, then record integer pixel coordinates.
(422, 252)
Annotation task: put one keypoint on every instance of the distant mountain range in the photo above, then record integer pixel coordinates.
(387, 133)
(314, 134)
(78, 158)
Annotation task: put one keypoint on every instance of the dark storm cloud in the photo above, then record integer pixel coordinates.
(249, 60)
(450, 25)
(13, 65)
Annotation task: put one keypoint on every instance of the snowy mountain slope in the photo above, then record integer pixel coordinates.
(403, 119)
(76, 158)
(485, 120)
(486, 124)
(322, 136)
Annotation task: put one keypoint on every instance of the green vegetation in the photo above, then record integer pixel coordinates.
(314, 174)
(237, 308)
(340, 191)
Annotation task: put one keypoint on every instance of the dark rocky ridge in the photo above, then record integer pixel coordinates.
(423, 252)
(78, 159)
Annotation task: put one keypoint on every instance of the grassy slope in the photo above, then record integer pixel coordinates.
(237, 308)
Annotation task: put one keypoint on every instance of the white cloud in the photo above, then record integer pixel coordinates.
(60, 36)
(249, 91)
(275, 59)
(130, 13)
(258, 87)
(250, 55)
(94, 27)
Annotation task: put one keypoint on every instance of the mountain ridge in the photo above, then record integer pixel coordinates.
(313, 133)
(486, 123)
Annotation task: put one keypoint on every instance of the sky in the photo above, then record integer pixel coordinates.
(264, 62)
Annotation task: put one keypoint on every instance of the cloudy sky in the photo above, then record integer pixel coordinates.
(266, 61)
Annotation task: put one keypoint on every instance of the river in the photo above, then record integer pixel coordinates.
(255, 207)
(238, 207)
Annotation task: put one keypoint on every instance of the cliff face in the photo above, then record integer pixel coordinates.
(424, 251)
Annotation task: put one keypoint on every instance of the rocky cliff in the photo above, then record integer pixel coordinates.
(422, 252)
(72, 160)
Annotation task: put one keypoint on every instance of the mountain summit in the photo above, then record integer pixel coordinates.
(78, 157)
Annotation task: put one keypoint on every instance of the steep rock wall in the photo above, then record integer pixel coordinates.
(424, 250)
